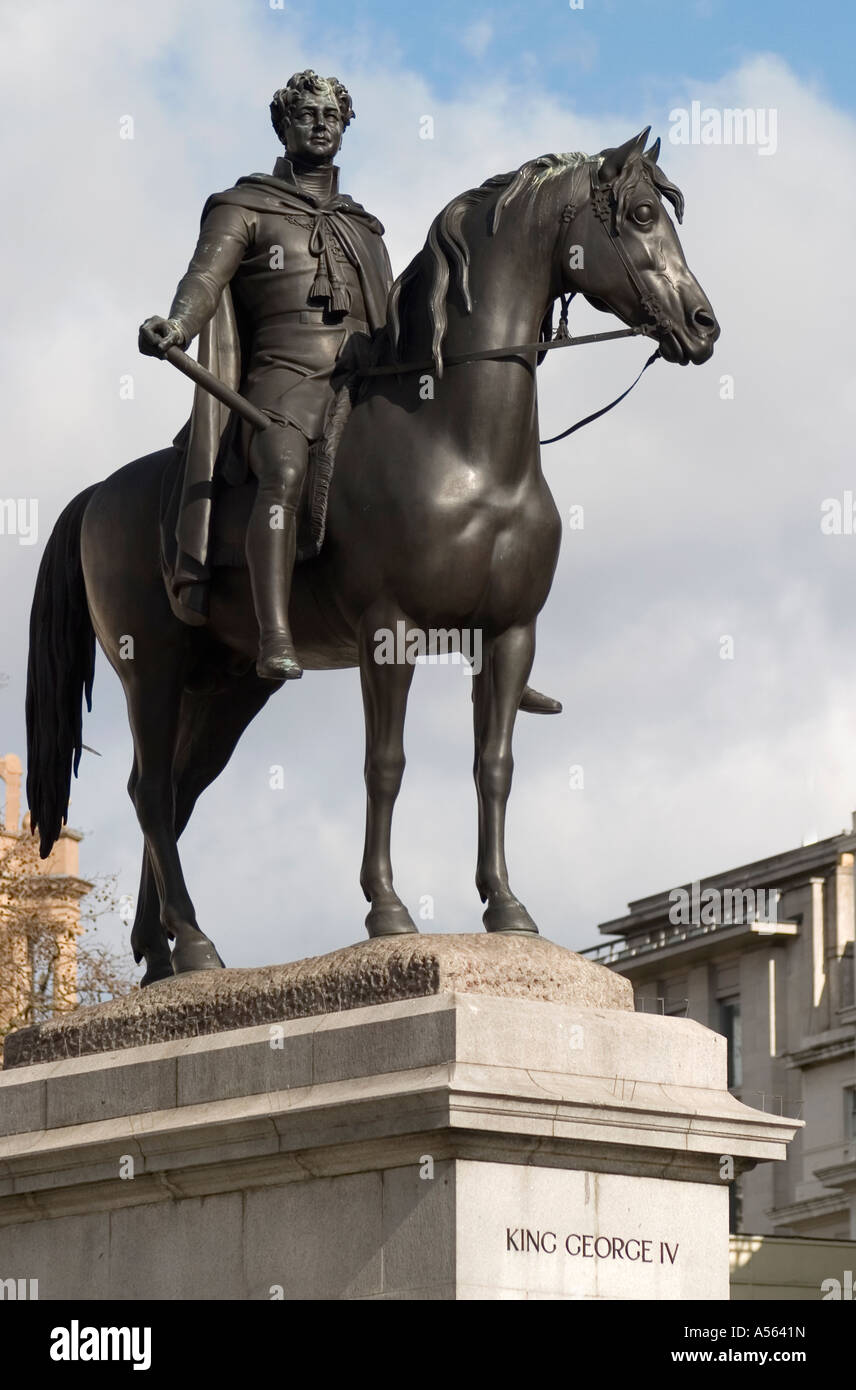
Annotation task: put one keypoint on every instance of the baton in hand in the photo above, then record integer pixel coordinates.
(209, 382)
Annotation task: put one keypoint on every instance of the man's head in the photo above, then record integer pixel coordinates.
(309, 115)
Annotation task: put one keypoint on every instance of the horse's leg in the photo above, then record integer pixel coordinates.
(154, 694)
(507, 661)
(210, 725)
(385, 690)
(149, 941)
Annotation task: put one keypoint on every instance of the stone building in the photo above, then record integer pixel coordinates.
(764, 954)
(55, 888)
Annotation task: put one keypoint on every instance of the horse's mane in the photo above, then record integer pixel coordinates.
(446, 255)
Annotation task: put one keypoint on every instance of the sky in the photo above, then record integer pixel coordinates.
(702, 502)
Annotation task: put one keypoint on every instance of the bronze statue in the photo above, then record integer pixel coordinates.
(285, 270)
(439, 516)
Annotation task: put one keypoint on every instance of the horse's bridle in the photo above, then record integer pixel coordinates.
(604, 207)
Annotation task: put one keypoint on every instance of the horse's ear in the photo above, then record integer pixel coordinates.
(615, 160)
(654, 153)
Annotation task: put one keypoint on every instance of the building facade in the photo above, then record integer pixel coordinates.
(39, 913)
(764, 955)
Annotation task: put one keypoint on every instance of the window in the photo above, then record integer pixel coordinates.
(675, 990)
(847, 978)
(731, 1024)
(850, 1113)
(735, 1207)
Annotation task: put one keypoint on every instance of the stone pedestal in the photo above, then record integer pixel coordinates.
(452, 1143)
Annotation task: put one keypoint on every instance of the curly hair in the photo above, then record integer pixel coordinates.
(297, 86)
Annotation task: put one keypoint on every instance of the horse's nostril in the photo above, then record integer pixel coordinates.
(703, 320)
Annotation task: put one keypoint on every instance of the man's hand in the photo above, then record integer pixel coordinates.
(157, 334)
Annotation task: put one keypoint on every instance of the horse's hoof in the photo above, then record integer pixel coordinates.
(160, 969)
(510, 917)
(390, 921)
(196, 954)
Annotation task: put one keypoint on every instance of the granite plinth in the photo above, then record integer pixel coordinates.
(457, 1146)
(379, 971)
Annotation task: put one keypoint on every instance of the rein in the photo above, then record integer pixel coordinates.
(561, 340)
(604, 410)
(459, 359)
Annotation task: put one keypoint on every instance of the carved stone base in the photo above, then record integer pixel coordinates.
(463, 1144)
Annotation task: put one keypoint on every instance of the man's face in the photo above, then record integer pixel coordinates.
(314, 130)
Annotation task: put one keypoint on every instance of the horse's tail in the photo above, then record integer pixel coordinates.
(60, 669)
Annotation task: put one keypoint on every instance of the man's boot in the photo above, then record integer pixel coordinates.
(271, 553)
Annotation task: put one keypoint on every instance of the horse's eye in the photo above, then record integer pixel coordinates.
(643, 213)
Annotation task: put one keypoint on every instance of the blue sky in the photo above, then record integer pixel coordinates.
(610, 54)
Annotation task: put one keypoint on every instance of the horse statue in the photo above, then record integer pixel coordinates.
(439, 518)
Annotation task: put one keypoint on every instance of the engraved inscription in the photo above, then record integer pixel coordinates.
(587, 1246)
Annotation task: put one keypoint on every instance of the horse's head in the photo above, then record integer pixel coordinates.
(622, 252)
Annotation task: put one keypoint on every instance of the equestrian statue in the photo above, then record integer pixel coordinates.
(362, 458)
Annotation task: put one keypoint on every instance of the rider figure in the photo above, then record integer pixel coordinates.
(286, 268)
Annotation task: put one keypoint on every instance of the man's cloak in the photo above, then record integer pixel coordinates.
(210, 441)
